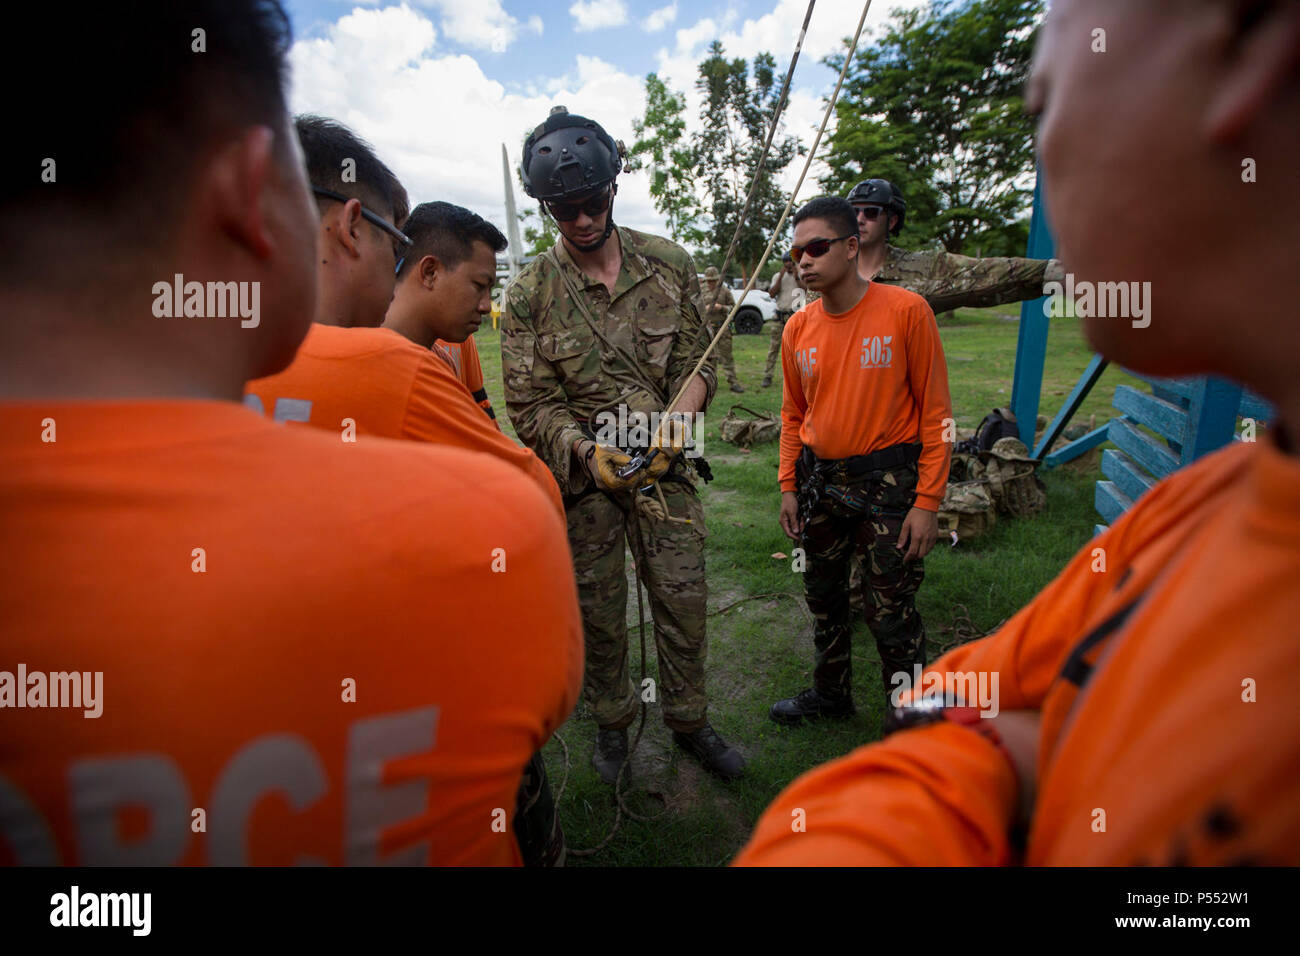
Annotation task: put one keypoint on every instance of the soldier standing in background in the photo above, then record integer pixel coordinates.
(945, 280)
(715, 306)
(605, 323)
(784, 286)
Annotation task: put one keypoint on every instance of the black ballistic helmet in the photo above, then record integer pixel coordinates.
(881, 192)
(568, 155)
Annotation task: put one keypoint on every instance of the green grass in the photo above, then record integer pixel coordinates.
(761, 649)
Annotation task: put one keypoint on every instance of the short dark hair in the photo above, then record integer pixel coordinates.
(124, 142)
(447, 231)
(838, 212)
(327, 145)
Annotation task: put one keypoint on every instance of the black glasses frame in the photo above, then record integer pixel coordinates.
(871, 212)
(367, 215)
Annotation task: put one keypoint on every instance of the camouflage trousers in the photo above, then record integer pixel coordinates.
(776, 328)
(672, 572)
(722, 354)
(835, 533)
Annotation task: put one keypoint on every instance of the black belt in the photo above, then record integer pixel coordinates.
(882, 459)
(813, 474)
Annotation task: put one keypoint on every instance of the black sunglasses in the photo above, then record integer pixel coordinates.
(568, 211)
(373, 217)
(870, 213)
(817, 248)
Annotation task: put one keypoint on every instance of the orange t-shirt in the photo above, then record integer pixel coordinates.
(306, 640)
(390, 387)
(872, 377)
(469, 369)
(1163, 661)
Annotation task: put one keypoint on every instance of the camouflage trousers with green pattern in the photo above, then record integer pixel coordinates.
(836, 532)
(669, 560)
(724, 359)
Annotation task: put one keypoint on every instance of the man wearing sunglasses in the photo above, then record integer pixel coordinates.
(605, 324)
(945, 280)
(863, 462)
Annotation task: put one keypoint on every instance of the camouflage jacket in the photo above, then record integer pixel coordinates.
(949, 281)
(705, 298)
(558, 374)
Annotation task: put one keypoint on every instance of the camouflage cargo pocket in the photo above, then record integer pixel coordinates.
(894, 492)
(655, 333)
(568, 351)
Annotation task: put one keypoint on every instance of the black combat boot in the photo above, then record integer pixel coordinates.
(712, 751)
(812, 705)
(611, 751)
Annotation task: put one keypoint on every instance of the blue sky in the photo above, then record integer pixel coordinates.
(438, 85)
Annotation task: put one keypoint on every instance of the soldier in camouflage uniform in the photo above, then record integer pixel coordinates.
(945, 280)
(715, 304)
(607, 320)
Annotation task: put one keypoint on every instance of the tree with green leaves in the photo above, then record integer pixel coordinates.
(699, 182)
(936, 107)
(662, 147)
(735, 114)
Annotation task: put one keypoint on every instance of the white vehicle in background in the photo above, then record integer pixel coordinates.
(756, 309)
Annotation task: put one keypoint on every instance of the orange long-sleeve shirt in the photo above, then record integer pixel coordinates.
(340, 654)
(872, 377)
(389, 387)
(1163, 661)
(469, 369)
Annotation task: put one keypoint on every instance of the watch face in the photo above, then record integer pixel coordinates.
(917, 714)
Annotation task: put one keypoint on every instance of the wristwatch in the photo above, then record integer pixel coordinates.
(923, 712)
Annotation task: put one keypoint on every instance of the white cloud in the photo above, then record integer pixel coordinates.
(438, 121)
(597, 14)
(660, 18)
(482, 24)
(535, 24)
(775, 32)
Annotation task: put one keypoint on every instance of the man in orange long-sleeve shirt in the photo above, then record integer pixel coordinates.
(224, 641)
(863, 456)
(1147, 712)
(361, 381)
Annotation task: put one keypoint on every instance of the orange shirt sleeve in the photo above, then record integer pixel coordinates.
(927, 372)
(439, 409)
(793, 404)
(934, 796)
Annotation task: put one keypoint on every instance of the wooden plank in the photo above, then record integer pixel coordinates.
(1110, 502)
(1031, 337)
(1080, 391)
(1128, 477)
(1184, 388)
(1252, 406)
(1212, 418)
(1074, 449)
(1165, 418)
(1142, 448)
(1159, 391)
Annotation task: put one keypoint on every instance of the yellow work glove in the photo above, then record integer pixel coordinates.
(674, 432)
(604, 463)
